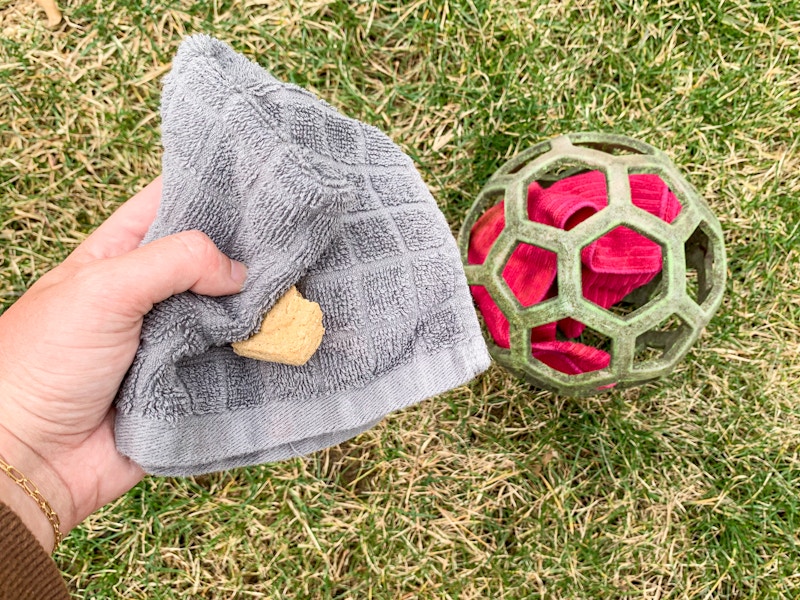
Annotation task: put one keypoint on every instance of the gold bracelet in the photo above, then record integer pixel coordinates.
(30, 488)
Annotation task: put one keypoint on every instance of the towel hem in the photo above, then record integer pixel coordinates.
(191, 445)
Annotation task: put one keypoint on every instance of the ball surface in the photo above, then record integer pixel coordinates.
(594, 263)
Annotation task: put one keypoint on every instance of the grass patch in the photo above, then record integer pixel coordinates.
(683, 489)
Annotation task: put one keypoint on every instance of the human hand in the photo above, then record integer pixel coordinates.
(66, 345)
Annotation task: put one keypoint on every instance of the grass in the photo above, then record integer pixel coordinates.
(689, 488)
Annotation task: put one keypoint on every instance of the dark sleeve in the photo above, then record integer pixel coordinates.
(26, 571)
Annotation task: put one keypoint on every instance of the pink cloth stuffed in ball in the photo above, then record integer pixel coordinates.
(612, 266)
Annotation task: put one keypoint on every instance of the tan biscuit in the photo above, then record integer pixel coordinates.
(290, 333)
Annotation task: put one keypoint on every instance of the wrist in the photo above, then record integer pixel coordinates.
(28, 511)
(32, 467)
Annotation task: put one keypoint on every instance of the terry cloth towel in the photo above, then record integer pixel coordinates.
(612, 266)
(302, 195)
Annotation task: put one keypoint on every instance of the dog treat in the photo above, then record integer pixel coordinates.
(290, 333)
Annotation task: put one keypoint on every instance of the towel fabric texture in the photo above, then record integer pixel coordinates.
(302, 195)
(611, 267)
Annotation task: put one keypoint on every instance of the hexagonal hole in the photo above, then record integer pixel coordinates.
(590, 352)
(638, 297)
(486, 230)
(494, 322)
(656, 343)
(595, 339)
(531, 274)
(620, 271)
(700, 258)
(652, 194)
(652, 191)
(573, 195)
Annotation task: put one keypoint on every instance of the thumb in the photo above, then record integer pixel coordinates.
(184, 261)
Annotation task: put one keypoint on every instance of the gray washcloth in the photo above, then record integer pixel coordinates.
(301, 194)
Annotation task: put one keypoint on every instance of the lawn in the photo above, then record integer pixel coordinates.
(687, 488)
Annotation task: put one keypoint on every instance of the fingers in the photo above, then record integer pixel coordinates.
(124, 230)
(185, 261)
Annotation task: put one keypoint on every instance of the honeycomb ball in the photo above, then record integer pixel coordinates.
(593, 263)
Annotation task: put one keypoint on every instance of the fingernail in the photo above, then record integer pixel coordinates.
(238, 272)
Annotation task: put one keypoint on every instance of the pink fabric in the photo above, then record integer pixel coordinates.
(571, 358)
(612, 266)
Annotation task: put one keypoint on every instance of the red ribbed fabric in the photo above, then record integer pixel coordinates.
(612, 266)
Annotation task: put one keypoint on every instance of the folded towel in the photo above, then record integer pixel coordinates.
(302, 195)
